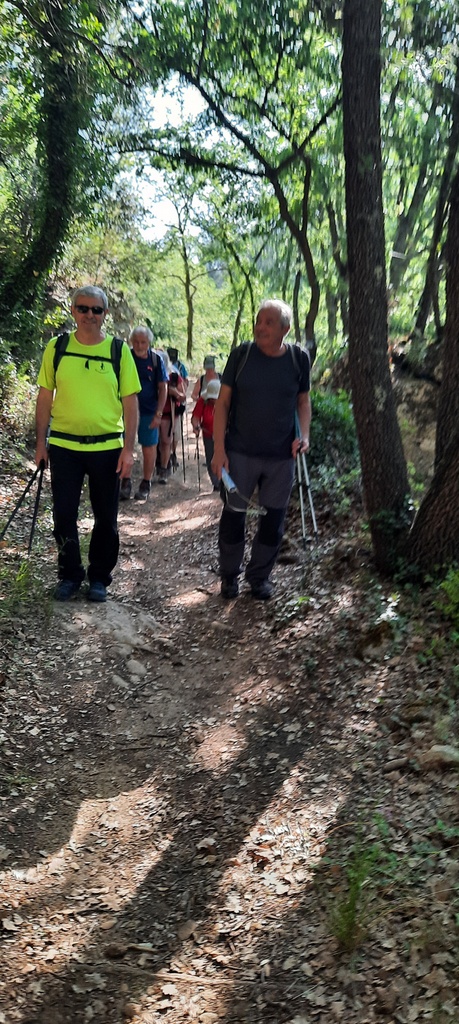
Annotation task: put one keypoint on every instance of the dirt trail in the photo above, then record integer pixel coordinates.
(174, 766)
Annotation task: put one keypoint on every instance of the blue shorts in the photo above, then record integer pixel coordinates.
(146, 436)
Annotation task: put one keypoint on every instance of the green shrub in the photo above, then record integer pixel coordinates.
(333, 434)
(17, 400)
(449, 602)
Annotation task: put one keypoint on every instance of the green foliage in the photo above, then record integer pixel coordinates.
(333, 433)
(22, 592)
(348, 915)
(448, 602)
(17, 400)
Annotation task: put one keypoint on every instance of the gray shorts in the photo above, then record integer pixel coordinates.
(273, 477)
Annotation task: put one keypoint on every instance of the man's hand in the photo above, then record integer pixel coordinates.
(125, 463)
(219, 462)
(300, 446)
(41, 455)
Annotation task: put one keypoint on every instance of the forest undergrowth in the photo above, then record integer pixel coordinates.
(226, 811)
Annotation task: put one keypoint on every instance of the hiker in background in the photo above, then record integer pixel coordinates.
(210, 373)
(180, 408)
(170, 420)
(263, 386)
(94, 421)
(203, 419)
(152, 398)
(178, 365)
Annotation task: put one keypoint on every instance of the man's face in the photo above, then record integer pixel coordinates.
(88, 312)
(269, 331)
(140, 344)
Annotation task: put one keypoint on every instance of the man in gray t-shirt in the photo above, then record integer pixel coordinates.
(265, 385)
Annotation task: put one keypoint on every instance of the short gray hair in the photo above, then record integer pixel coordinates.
(285, 311)
(142, 330)
(91, 292)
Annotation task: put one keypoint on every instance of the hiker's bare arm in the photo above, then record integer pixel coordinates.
(162, 395)
(304, 412)
(131, 415)
(178, 392)
(221, 414)
(42, 418)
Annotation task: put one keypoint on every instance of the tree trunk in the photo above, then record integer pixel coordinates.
(433, 542)
(448, 403)
(296, 313)
(58, 146)
(384, 470)
(408, 219)
(429, 285)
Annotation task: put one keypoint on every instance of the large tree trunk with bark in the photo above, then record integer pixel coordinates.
(433, 542)
(384, 470)
(58, 145)
(428, 292)
(448, 407)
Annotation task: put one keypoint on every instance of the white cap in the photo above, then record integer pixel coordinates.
(212, 389)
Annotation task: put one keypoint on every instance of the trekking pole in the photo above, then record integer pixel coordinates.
(301, 497)
(187, 436)
(183, 445)
(172, 435)
(199, 464)
(39, 469)
(303, 481)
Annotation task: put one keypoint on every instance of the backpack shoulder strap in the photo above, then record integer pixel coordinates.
(154, 357)
(295, 360)
(62, 341)
(115, 356)
(243, 353)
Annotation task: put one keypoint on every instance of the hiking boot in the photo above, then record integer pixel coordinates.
(229, 587)
(144, 490)
(66, 590)
(125, 489)
(97, 592)
(262, 591)
(162, 476)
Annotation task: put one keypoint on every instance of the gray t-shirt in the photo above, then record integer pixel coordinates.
(264, 398)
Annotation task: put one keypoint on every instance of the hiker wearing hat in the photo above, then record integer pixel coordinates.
(203, 419)
(265, 386)
(209, 374)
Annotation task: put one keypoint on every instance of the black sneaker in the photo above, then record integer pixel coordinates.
(229, 588)
(97, 592)
(144, 490)
(162, 476)
(66, 590)
(125, 489)
(262, 591)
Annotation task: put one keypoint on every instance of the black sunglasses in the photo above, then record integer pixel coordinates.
(97, 310)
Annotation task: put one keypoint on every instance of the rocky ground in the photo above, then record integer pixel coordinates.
(242, 812)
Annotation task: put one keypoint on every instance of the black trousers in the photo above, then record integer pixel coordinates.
(68, 470)
(274, 479)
